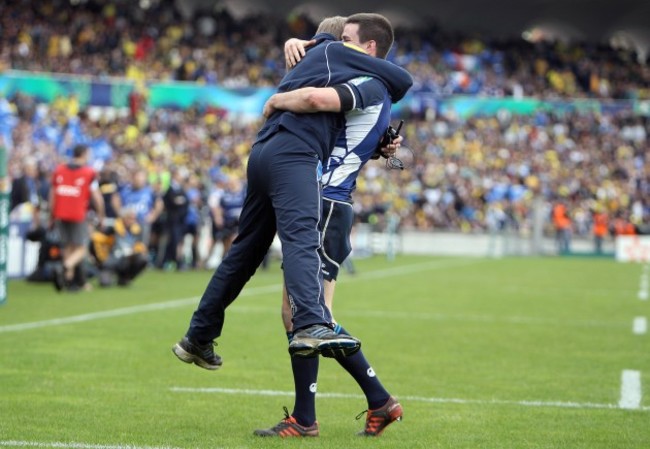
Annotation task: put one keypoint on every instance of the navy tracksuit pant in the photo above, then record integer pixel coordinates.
(284, 194)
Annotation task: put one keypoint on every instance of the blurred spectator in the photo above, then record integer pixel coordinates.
(74, 185)
(110, 193)
(600, 229)
(622, 225)
(29, 186)
(49, 254)
(176, 208)
(226, 203)
(140, 197)
(193, 217)
(562, 225)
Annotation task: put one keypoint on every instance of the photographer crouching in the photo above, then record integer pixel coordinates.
(119, 250)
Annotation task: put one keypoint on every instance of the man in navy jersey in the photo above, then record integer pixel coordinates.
(142, 198)
(283, 194)
(226, 208)
(365, 125)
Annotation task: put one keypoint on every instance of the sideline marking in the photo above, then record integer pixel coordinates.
(442, 317)
(640, 325)
(98, 315)
(643, 287)
(560, 404)
(630, 390)
(464, 318)
(484, 318)
(59, 444)
(274, 288)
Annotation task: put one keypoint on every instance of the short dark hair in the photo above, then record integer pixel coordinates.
(79, 150)
(374, 27)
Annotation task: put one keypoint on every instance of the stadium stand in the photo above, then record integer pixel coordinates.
(465, 172)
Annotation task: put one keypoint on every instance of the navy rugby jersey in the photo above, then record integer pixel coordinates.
(364, 128)
(327, 64)
(142, 200)
(232, 203)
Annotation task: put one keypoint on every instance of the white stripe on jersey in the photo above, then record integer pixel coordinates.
(349, 163)
(344, 161)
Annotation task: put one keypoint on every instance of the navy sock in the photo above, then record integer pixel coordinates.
(305, 374)
(362, 372)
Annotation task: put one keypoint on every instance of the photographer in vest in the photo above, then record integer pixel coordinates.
(74, 185)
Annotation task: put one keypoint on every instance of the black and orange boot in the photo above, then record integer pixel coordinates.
(377, 420)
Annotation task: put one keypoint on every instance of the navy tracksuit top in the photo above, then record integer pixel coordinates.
(327, 64)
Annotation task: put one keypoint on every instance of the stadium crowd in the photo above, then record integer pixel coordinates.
(467, 175)
(123, 39)
(476, 174)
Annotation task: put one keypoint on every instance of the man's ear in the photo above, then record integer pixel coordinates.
(371, 47)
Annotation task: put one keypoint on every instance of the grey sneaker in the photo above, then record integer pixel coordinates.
(288, 427)
(190, 351)
(321, 339)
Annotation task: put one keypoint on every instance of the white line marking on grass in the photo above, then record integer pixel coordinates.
(57, 444)
(98, 315)
(412, 268)
(176, 303)
(643, 286)
(484, 318)
(640, 325)
(561, 404)
(630, 390)
(274, 288)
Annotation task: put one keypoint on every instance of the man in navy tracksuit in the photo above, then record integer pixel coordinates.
(284, 182)
(365, 127)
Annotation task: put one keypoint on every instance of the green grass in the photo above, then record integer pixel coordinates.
(491, 334)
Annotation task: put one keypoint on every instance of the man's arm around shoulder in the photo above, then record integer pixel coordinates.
(305, 100)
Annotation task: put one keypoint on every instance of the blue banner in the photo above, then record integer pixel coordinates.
(115, 92)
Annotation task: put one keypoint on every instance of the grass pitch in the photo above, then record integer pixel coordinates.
(510, 353)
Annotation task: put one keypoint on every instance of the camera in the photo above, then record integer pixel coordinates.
(389, 137)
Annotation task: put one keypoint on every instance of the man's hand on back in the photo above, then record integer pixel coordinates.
(294, 50)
